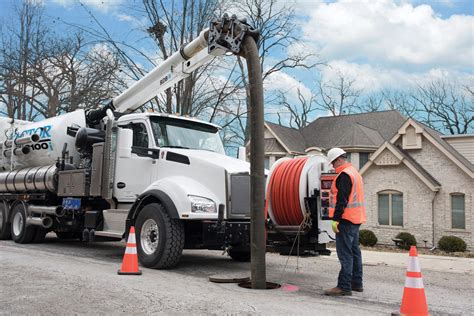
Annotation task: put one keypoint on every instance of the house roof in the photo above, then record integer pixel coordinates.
(273, 146)
(291, 138)
(437, 136)
(418, 167)
(405, 158)
(359, 136)
(353, 130)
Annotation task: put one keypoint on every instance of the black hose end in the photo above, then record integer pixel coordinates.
(93, 116)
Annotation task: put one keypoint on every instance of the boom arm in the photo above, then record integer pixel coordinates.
(224, 35)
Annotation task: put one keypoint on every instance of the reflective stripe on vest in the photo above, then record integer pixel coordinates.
(355, 209)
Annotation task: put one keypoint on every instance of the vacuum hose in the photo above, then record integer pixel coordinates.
(257, 175)
(283, 192)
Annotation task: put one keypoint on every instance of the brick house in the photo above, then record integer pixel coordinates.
(418, 182)
(412, 173)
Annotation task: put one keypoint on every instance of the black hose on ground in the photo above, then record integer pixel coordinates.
(257, 176)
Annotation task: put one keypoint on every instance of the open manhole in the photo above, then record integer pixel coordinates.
(270, 285)
(228, 279)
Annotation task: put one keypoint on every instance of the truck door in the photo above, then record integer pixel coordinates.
(133, 174)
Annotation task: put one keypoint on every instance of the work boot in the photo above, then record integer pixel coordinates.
(356, 288)
(335, 291)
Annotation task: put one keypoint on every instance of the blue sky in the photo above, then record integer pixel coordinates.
(380, 43)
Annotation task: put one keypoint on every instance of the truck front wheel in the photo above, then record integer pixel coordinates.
(160, 239)
(21, 233)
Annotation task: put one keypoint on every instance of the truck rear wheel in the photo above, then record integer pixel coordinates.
(21, 233)
(160, 239)
(5, 226)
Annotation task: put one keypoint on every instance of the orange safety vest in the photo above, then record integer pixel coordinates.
(355, 209)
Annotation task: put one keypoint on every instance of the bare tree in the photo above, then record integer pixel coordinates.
(387, 99)
(444, 105)
(19, 47)
(338, 96)
(299, 112)
(43, 74)
(175, 23)
(399, 100)
(278, 30)
(73, 75)
(372, 103)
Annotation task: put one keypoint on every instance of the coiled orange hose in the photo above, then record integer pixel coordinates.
(283, 192)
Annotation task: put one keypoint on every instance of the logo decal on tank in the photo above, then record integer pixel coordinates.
(44, 133)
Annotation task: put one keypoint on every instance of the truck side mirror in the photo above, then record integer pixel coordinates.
(124, 142)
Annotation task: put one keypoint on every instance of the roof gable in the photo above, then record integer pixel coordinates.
(272, 145)
(289, 138)
(389, 154)
(434, 137)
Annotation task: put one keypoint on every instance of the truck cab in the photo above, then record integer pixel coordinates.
(172, 172)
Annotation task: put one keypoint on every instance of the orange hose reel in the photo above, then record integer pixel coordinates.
(283, 192)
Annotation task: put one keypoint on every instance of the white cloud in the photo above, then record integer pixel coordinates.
(390, 32)
(101, 5)
(282, 82)
(372, 78)
(125, 18)
(448, 3)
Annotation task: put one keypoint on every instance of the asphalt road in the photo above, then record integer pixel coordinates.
(60, 278)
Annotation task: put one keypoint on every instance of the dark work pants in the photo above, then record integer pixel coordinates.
(350, 257)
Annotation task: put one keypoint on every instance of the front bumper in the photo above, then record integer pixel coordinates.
(221, 235)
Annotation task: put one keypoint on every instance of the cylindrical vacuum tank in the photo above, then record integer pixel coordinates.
(43, 178)
(46, 147)
(289, 182)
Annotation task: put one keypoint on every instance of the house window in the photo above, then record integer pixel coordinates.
(363, 158)
(458, 218)
(390, 208)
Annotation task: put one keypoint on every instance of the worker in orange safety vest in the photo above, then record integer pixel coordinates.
(347, 210)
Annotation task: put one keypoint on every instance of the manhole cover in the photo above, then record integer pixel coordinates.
(228, 279)
(270, 285)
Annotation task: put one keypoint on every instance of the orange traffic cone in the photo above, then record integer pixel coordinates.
(414, 299)
(130, 259)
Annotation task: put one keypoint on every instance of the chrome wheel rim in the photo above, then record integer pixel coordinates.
(149, 237)
(17, 224)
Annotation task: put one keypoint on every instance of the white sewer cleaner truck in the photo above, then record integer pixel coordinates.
(92, 174)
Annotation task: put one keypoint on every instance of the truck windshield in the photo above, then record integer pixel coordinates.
(169, 132)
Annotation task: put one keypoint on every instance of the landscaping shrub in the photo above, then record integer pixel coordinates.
(407, 240)
(452, 244)
(367, 237)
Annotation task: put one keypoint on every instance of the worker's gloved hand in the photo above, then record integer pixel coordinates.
(335, 226)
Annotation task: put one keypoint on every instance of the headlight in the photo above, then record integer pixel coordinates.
(202, 205)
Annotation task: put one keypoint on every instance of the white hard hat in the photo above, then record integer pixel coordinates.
(334, 153)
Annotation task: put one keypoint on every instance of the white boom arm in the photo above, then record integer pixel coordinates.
(224, 35)
(177, 67)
